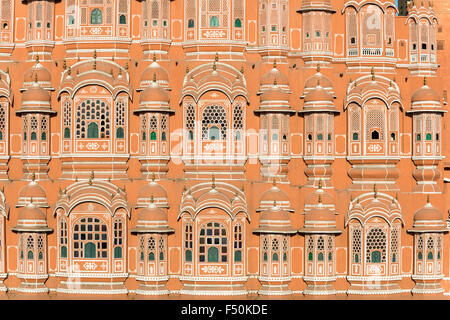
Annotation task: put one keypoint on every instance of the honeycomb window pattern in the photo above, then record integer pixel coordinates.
(214, 116)
(376, 243)
(2, 121)
(374, 120)
(90, 239)
(356, 245)
(238, 122)
(151, 248)
(141, 248)
(93, 111)
(394, 244)
(190, 117)
(67, 113)
(120, 114)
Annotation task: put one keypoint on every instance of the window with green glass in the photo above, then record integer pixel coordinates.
(33, 136)
(375, 256)
(213, 254)
(117, 253)
(191, 23)
(43, 136)
(214, 21)
(120, 133)
(188, 256)
(151, 256)
(238, 256)
(89, 250)
(153, 136)
(163, 136)
(428, 137)
(310, 256)
(430, 256)
(96, 16)
(320, 256)
(66, 133)
(161, 256)
(92, 132)
(63, 252)
(122, 19)
(30, 255)
(275, 257)
(238, 23)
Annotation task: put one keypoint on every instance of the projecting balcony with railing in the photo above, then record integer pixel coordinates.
(352, 52)
(372, 51)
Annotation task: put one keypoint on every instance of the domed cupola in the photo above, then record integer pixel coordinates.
(36, 100)
(275, 220)
(428, 219)
(37, 73)
(274, 75)
(274, 194)
(425, 98)
(274, 99)
(147, 77)
(155, 191)
(326, 199)
(32, 192)
(31, 219)
(153, 98)
(320, 219)
(318, 78)
(152, 219)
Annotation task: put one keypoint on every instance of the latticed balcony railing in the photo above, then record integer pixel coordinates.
(372, 51)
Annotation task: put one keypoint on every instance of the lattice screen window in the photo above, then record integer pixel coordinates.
(120, 119)
(67, 118)
(33, 127)
(275, 250)
(141, 248)
(215, 13)
(390, 27)
(310, 248)
(394, 244)
(161, 248)
(413, 35)
(356, 245)
(90, 239)
(238, 12)
(420, 247)
(190, 13)
(118, 238)
(214, 123)
(238, 243)
(265, 248)
(188, 242)
(44, 128)
(374, 121)
(375, 246)
(40, 247)
(151, 249)
(63, 237)
(320, 248)
(352, 29)
(30, 247)
(430, 248)
(438, 246)
(213, 243)
(238, 121)
(330, 248)
(371, 26)
(164, 121)
(393, 119)
(424, 35)
(6, 14)
(2, 121)
(153, 126)
(285, 248)
(25, 127)
(93, 119)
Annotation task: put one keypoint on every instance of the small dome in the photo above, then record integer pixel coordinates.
(154, 93)
(152, 189)
(274, 75)
(154, 68)
(317, 79)
(275, 93)
(31, 218)
(274, 194)
(32, 190)
(318, 94)
(425, 93)
(36, 94)
(320, 213)
(428, 213)
(37, 73)
(152, 219)
(275, 220)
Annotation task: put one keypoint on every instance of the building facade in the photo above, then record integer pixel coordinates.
(228, 148)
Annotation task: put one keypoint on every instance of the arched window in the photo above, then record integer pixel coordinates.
(356, 244)
(213, 243)
(89, 250)
(320, 256)
(66, 133)
(376, 246)
(43, 136)
(151, 248)
(191, 23)
(214, 133)
(275, 249)
(122, 19)
(213, 254)
(214, 21)
(89, 112)
(217, 117)
(63, 252)
(90, 238)
(63, 238)
(71, 20)
(153, 136)
(191, 135)
(92, 132)
(418, 137)
(188, 256)
(237, 244)
(120, 134)
(33, 136)
(163, 136)
(319, 136)
(238, 23)
(238, 256)
(96, 16)
(375, 135)
(30, 247)
(428, 137)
